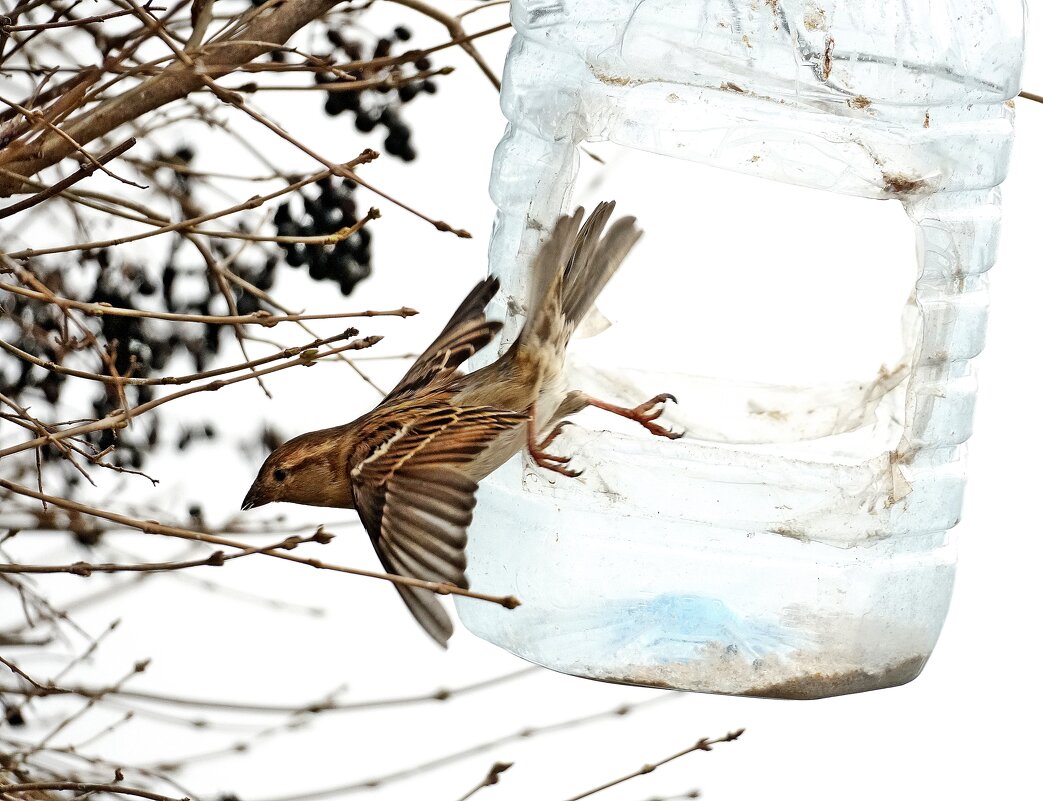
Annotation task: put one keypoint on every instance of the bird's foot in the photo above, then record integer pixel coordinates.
(553, 435)
(646, 413)
(557, 464)
(549, 461)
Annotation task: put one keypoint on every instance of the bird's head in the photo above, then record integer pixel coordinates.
(311, 469)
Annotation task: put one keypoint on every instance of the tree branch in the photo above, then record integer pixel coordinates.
(263, 318)
(265, 32)
(152, 527)
(704, 744)
(85, 788)
(83, 172)
(456, 30)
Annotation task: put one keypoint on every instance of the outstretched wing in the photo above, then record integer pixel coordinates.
(466, 333)
(416, 501)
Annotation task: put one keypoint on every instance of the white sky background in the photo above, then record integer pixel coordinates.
(967, 728)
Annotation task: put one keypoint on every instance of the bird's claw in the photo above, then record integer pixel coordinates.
(651, 410)
(557, 464)
(549, 461)
(553, 435)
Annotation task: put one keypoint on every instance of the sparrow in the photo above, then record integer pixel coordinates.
(411, 466)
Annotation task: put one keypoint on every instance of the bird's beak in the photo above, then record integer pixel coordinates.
(253, 498)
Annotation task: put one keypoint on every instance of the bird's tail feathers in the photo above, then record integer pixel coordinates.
(594, 261)
(572, 267)
(546, 276)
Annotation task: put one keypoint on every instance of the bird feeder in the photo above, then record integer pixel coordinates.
(804, 551)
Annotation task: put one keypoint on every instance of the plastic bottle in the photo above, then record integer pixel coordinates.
(808, 553)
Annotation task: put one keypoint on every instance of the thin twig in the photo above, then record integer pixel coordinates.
(456, 30)
(121, 418)
(252, 203)
(85, 787)
(286, 353)
(139, 667)
(465, 753)
(38, 119)
(215, 559)
(311, 707)
(703, 745)
(152, 527)
(266, 319)
(17, 670)
(491, 778)
(81, 21)
(83, 172)
(390, 82)
(236, 100)
(320, 239)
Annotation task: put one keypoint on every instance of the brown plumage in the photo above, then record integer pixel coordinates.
(411, 466)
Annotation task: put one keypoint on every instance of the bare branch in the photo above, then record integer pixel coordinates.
(83, 172)
(17, 670)
(703, 745)
(263, 318)
(264, 32)
(120, 419)
(311, 707)
(527, 733)
(79, 22)
(152, 527)
(491, 778)
(85, 788)
(456, 30)
(252, 203)
(180, 379)
(215, 559)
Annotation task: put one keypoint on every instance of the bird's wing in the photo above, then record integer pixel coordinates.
(416, 502)
(466, 333)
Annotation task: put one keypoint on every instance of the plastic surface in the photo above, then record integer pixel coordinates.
(796, 543)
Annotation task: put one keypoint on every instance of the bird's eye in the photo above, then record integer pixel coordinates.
(279, 475)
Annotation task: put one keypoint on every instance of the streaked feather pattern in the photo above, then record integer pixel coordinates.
(466, 333)
(411, 465)
(414, 500)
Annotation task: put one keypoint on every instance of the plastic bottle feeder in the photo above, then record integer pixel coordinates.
(796, 543)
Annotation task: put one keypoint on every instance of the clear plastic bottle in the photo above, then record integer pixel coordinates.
(805, 552)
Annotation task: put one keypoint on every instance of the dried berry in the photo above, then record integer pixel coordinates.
(326, 211)
(388, 89)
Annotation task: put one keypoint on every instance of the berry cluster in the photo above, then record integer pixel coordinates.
(380, 104)
(143, 347)
(131, 346)
(347, 262)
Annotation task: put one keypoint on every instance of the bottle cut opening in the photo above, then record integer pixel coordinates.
(772, 551)
(776, 314)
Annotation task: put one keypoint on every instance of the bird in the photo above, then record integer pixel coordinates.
(411, 466)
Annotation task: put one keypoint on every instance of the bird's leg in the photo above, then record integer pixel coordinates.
(538, 449)
(645, 414)
(553, 435)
